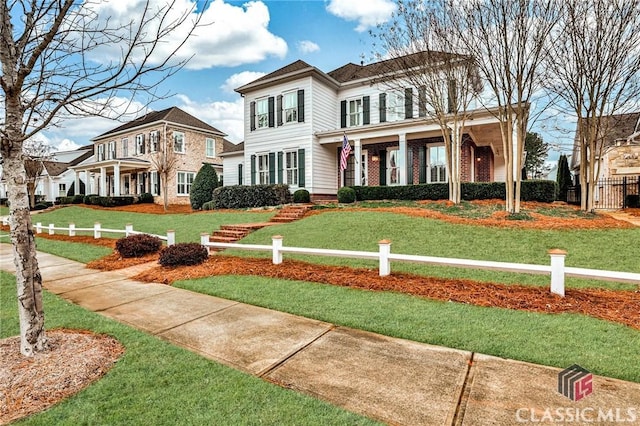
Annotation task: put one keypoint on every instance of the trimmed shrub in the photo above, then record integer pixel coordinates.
(544, 191)
(632, 201)
(301, 196)
(183, 254)
(482, 191)
(124, 200)
(42, 206)
(87, 198)
(346, 195)
(64, 200)
(209, 205)
(138, 245)
(77, 199)
(145, 198)
(202, 187)
(243, 196)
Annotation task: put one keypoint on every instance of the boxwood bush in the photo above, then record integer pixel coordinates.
(347, 194)
(301, 196)
(145, 197)
(243, 196)
(138, 245)
(183, 254)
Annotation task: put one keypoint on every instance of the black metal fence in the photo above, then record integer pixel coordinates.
(611, 193)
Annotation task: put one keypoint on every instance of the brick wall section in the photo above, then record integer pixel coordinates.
(467, 159)
(484, 164)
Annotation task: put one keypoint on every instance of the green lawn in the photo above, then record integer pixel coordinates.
(156, 383)
(557, 340)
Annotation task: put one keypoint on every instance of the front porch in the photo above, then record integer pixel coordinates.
(118, 178)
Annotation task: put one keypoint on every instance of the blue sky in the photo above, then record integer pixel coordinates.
(244, 41)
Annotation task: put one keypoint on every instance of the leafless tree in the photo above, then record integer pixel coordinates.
(423, 55)
(50, 69)
(165, 162)
(35, 153)
(508, 39)
(595, 66)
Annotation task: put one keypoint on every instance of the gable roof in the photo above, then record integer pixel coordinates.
(231, 148)
(292, 71)
(55, 168)
(173, 115)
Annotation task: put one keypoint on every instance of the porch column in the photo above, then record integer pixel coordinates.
(402, 159)
(103, 181)
(76, 184)
(357, 156)
(116, 179)
(87, 186)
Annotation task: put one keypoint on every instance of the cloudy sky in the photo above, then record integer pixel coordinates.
(242, 41)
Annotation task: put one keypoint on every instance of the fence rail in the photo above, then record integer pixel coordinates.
(97, 230)
(611, 193)
(556, 269)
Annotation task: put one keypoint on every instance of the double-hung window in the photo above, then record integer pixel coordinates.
(178, 142)
(437, 164)
(393, 172)
(211, 148)
(262, 113)
(101, 152)
(291, 167)
(263, 169)
(154, 139)
(355, 112)
(155, 183)
(140, 144)
(125, 148)
(185, 179)
(290, 106)
(111, 150)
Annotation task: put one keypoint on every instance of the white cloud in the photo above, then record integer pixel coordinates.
(240, 79)
(368, 13)
(306, 46)
(227, 117)
(228, 35)
(67, 145)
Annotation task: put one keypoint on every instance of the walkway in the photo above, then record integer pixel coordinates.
(393, 380)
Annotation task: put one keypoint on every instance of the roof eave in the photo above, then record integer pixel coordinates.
(305, 72)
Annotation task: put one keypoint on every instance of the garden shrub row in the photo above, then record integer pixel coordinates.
(243, 196)
(97, 200)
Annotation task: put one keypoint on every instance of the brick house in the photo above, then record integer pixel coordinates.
(296, 118)
(128, 159)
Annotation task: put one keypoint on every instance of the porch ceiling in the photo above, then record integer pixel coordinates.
(125, 165)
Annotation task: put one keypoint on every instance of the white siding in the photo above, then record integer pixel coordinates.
(230, 169)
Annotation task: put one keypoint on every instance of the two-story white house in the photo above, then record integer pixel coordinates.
(296, 118)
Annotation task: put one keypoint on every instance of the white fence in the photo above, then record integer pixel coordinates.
(556, 269)
(97, 230)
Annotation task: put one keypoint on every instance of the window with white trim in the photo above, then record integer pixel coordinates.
(291, 167)
(101, 152)
(211, 148)
(125, 147)
(111, 150)
(355, 112)
(393, 171)
(262, 113)
(437, 164)
(154, 140)
(139, 144)
(155, 183)
(395, 106)
(62, 189)
(178, 142)
(263, 169)
(185, 179)
(290, 106)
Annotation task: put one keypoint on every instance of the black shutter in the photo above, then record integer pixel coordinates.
(383, 167)
(382, 107)
(272, 107)
(301, 172)
(452, 95)
(422, 164)
(410, 166)
(366, 110)
(343, 114)
(279, 109)
(280, 166)
(253, 170)
(240, 174)
(272, 168)
(252, 116)
(422, 102)
(300, 106)
(408, 102)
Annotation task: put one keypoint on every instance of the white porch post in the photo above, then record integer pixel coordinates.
(87, 186)
(116, 179)
(103, 181)
(76, 183)
(402, 159)
(357, 156)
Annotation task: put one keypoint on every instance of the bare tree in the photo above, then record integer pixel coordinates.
(595, 63)
(508, 40)
(424, 55)
(36, 152)
(165, 162)
(50, 69)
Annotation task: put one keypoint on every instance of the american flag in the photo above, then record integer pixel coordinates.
(344, 153)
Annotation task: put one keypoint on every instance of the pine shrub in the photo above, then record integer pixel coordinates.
(138, 245)
(183, 254)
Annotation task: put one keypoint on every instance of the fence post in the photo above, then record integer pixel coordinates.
(72, 229)
(557, 271)
(276, 250)
(38, 227)
(171, 237)
(128, 229)
(204, 240)
(385, 251)
(51, 230)
(96, 230)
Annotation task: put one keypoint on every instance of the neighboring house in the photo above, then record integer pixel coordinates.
(296, 118)
(619, 147)
(57, 177)
(129, 159)
(233, 164)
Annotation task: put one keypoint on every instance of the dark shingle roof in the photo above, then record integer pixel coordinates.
(55, 168)
(87, 154)
(172, 115)
(229, 147)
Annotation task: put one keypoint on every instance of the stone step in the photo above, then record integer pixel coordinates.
(217, 239)
(282, 219)
(237, 234)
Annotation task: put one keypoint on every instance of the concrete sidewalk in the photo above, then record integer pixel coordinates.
(393, 380)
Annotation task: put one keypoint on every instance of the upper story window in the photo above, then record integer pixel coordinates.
(211, 148)
(101, 152)
(178, 142)
(125, 147)
(290, 101)
(140, 144)
(355, 112)
(154, 140)
(262, 113)
(395, 107)
(111, 151)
